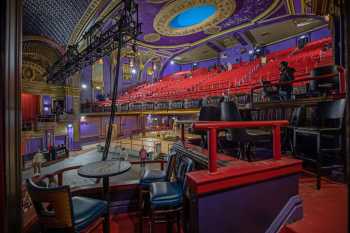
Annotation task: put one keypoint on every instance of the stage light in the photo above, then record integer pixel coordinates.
(251, 52)
(194, 64)
(302, 37)
(133, 71)
(70, 126)
(172, 62)
(84, 86)
(46, 109)
(82, 118)
(257, 50)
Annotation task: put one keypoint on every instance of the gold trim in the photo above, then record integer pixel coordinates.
(45, 40)
(303, 6)
(84, 21)
(295, 35)
(42, 88)
(161, 22)
(155, 112)
(268, 10)
(291, 7)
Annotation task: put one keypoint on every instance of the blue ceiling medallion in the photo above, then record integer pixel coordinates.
(193, 16)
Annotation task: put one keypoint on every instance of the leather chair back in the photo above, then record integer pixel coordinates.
(298, 116)
(332, 83)
(53, 205)
(170, 164)
(185, 165)
(331, 114)
(230, 112)
(208, 113)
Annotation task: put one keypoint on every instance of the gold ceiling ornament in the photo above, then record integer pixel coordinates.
(157, 1)
(161, 23)
(151, 37)
(212, 30)
(28, 73)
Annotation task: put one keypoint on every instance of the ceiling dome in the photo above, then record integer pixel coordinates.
(192, 16)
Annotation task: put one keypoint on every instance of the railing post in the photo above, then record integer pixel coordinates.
(183, 133)
(212, 150)
(276, 142)
(342, 82)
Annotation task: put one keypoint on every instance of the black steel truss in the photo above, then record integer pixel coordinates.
(99, 41)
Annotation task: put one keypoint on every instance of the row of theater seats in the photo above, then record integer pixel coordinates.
(240, 80)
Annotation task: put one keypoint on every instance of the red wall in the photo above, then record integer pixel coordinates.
(29, 106)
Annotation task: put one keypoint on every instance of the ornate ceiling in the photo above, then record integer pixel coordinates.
(55, 19)
(172, 27)
(229, 15)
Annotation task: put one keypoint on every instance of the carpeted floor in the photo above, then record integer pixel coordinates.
(325, 211)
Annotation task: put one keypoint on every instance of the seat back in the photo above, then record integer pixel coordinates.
(53, 205)
(185, 165)
(170, 164)
(230, 112)
(330, 114)
(298, 116)
(323, 85)
(208, 113)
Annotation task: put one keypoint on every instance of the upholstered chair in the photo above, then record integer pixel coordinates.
(58, 211)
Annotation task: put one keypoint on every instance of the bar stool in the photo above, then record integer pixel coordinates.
(166, 198)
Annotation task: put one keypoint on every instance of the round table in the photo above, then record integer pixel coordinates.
(104, 170)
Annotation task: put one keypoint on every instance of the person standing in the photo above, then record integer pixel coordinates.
(38, 159)
(124, 155)
(286, 76)
(143, 156)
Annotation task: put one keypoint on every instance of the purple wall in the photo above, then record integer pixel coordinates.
(233, 55)
(33, 145)
(86, 75)
(59, 140)
(89, 129)
(47, 105)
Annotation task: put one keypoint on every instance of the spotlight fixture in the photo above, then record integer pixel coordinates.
(133, 71)
(251, 52)
(84, 86)
(70, 126)
(172, 62)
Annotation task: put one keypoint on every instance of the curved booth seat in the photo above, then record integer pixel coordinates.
(86, 210)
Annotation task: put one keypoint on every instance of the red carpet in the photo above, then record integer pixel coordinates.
(325, 211)
(129, 223)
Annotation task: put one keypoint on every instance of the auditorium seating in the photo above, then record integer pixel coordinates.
(241, 79)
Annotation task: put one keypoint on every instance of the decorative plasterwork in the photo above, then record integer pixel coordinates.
(151, 37)
(46, 40)
(157, 1)
(84, 21)
(42, 88)
(224, 9)
(212, 30)
(55, 19)
(268, 11)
